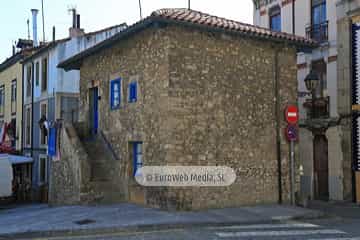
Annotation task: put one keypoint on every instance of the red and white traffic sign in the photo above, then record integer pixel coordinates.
(292, 114)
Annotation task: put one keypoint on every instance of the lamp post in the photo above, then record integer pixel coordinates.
(312, 82)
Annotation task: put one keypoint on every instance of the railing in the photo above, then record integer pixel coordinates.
(318, 32)
(318, 108)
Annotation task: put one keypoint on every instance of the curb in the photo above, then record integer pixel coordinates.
(150, 228)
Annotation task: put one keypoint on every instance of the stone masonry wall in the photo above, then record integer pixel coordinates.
(222, 112)
(204, 99)
(344, 101)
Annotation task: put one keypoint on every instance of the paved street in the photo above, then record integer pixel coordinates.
(329, 229)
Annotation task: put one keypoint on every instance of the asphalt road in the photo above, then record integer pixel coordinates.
(326, 229)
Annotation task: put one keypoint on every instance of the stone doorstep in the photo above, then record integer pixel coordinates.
(138, 228)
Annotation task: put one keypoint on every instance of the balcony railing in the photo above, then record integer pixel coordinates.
(318, 32)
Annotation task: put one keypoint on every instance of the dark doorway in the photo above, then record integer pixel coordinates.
(93, 114)
(321, 168)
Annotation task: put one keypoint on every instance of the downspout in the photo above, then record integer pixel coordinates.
(22, 112)
(293, 17)
(32, 108)
(277, 120)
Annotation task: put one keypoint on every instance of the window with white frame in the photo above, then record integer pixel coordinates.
(28, 80)
(44, 75)
(42, 169)
(37, 73)
(28, 126)
(2, 100)
(43, 130)
(13, 96)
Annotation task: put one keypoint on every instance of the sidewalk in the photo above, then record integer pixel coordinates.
(338, 209)
(43, 221)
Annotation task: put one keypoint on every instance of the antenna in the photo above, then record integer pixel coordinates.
(189, 4)
(28, 26)
(140, 9)
(43, 21)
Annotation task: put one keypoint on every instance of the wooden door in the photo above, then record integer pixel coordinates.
(321, 168)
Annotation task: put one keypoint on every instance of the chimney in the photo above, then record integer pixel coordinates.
(34, 16)
(75, 30)
(13, 49)
(53, 34)
(78, 21)
(74, 17)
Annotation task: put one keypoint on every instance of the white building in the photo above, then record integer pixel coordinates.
(51, 93)
(324, 158)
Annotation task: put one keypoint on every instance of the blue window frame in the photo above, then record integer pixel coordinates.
(115, 94)
(318, 12)
(137, 156)
(275, 22)
(132, 92)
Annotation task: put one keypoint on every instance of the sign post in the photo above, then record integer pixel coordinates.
(291, 115)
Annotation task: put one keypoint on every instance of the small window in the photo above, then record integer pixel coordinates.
(43, 129)
(138, 156)
(115, 94)
(44, 76)
(42, 169)
(132, 92)
(2, 100)
(28, 81)
(28, 126)
(275, 19)
(13, 96)
(37, 73)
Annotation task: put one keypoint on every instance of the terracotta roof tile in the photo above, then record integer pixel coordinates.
(196, 17)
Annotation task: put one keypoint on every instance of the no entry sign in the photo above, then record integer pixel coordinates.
(292, 114)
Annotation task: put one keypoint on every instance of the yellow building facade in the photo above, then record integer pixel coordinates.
(11, 101)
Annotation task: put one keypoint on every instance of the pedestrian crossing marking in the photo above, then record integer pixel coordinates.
(347, 238)
(278, 233)
(269, 226)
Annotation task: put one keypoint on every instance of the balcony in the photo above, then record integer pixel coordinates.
(318, 32)
(318, 109)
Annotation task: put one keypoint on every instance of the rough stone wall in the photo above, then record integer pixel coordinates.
(142, 58)
(204, 99)
(69, 174)
(222, 112)
(344, 102)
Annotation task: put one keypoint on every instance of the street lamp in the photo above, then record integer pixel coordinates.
(312, 81)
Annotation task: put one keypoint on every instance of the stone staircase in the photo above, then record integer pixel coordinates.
(101, 188)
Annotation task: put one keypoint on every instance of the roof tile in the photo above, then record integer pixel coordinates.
(196, 17)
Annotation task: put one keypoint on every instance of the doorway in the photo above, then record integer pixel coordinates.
(321, 168)
(94, 110)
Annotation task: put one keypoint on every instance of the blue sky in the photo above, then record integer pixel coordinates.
(97, 14)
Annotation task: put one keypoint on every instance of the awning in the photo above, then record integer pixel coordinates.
(16, 159)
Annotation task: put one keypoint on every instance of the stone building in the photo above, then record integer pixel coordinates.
(325, 144)
(348, 29)
(181, 87)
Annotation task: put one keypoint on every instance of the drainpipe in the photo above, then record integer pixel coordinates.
(32, 108)
(277, 125)
(293, 17)
(22, 112)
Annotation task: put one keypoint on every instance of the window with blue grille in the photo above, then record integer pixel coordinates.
(115, 94)
(137, 156)
(132, 92)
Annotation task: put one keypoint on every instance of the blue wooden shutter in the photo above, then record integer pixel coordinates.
(112, 94)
